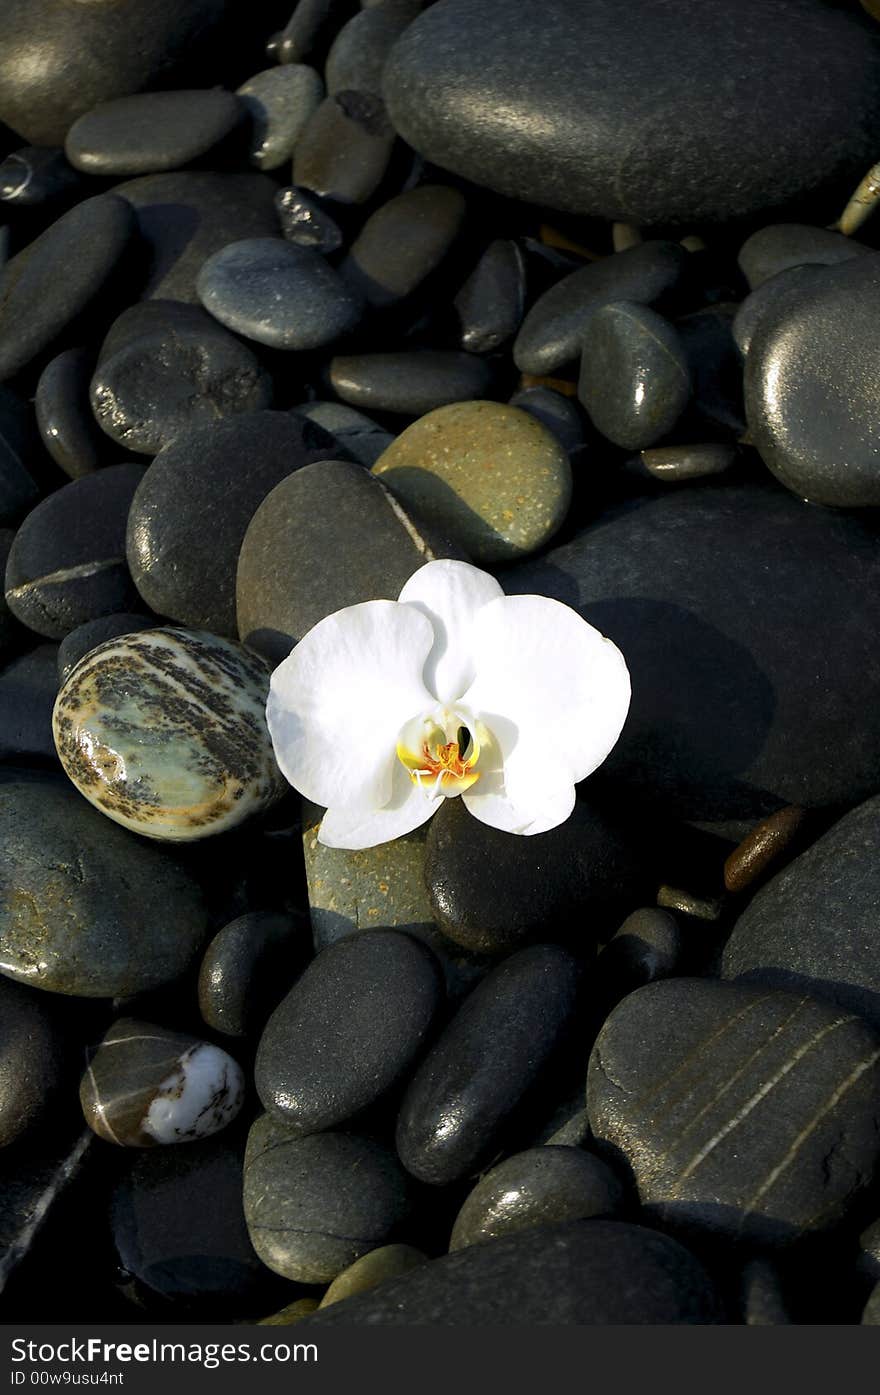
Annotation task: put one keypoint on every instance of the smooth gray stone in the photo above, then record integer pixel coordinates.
(580, 1273)
(85, 923)
(19, 490)
(32, 1050)
(247, 969)
(634, 380)
(165, 368)
(146, 1085)
(151, 132)
(308, 27)
(64, 416)
(34, 1178)
(727, 722)
(280, 102)
(743, 1112)
(784, 245)
(28, 688)
(580, 105)
(403, 242)
(811, 390)
(813, 927)
(179, 1230)
(59, 61)
(344, 150)
(278, 294)
(314, 1205)
(491, 893)
(289, 575)
(195, 502)
(680, 464)
(362, 437)
(769, 298)
(48, 285)
(483, 1068)
(349, 1030)
(361, 47)
(550, 337)
(491, 303)
(85, 638)
(67, 563)
(305, 223)
(183, 218)
(541, 1186)
(647, 946)
(410, 382)
(559, 414)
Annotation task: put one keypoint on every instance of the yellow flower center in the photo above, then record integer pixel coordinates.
(440, 751)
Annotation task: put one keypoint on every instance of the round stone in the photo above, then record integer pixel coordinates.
(84, 921)
(165, 732)
(811, 388)
(64, 414)
(617, 112)
(489, 475)
(278, 294)
(247, 968)
(540, 1186)
(146, 1085)
(280, 102)
(148, 132)
(634, 379)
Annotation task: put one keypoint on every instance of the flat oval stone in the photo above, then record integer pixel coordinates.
(372, 1269)
(492, 893)
(349, 1030)
(279, 102)
(541, 1186)
(64, 415)
(580, 1273)
(781, 246)
(85, 922)
(634, 381)
(146, 1085)
(165, 732)
(149, 132)
(491, 303)
(315, 1205)
(184, 217)
(246, 970)
(410, 382)
(550, 337)
(813, 926)
(480, 1071)
(32, 1049)
(679, 464)
(726, 718)
(167, 367)
(403, 242)
(361, 47)
(278, 294)
(288, 572)
(810, 387)
(744, 1112)
(578, 106)
(193, 506)
(488, 475)
(345, 148)
(306, 223)
(48, 285)
(773, 841)
(67, 563)
(85, 638)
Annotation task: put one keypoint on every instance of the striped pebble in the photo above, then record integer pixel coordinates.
(164, 731)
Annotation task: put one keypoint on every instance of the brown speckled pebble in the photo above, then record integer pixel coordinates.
(764, 847)
(489, 475)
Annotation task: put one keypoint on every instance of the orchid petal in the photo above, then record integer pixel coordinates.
(451, 594)
(553, 691)
(337, 703)
(408, 808)
(493, 807)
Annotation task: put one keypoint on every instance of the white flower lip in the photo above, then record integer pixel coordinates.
(455, 689)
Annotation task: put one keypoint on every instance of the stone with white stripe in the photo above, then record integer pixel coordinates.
(146, 1085)
(165, 732)
(742, 1111)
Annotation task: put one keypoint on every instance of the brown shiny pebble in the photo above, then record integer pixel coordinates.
(563, 385)
(371, 1270)
(293, 1313)
(673, 898)
(343, 152)
(688, 462)
(762, 850)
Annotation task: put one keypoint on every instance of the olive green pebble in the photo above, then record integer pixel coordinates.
(293, 1313)
(371, 1270)
(490, 476)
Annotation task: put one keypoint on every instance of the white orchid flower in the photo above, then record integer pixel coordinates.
(386, 708)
